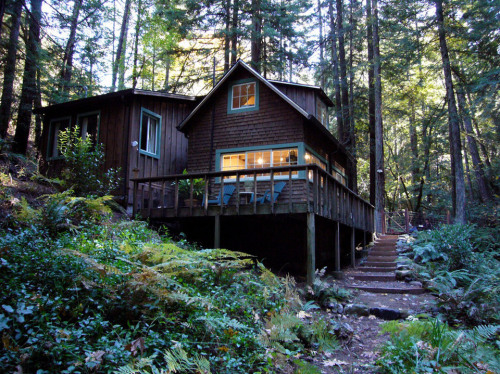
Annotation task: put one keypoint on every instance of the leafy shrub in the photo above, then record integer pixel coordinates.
(83, 165)
(431, 346)
(324, 292)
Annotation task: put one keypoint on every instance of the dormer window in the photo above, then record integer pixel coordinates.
(243, 96)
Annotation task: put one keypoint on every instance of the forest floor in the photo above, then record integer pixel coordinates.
(359, 352)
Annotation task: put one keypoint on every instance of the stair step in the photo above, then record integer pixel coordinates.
(382, 258)
(391, 290)
(382, 264)
(370, 269)
(383, 253)
(374, 277)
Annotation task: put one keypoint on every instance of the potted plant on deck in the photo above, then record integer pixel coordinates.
(185, 190)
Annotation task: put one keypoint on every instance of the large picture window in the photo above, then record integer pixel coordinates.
(55, 128)
(150, 131)
(260, 159)
(243, 96)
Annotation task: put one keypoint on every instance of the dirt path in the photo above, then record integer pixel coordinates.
(361, 321)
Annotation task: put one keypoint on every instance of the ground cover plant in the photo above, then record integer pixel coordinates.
(89, 295)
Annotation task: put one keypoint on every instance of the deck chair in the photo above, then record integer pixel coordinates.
(227, 193)
(278, 187)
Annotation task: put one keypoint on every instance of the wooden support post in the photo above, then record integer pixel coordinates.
(353, 246)
(337, 246)
(311, 248)
(217, 231)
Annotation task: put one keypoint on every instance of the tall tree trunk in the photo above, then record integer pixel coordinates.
(234, 32)
(321, 48)
(67, 62)
(135, 73)
(371, 99)
(352, 125)
(466, 159)
(37, 103)
(477, 164)
(379, 132)
(28, 91)
(256, 35)
(118, 65)
(455, 144)
(343, 76)
(2, 13)
(227, 38)
(336, 78)
(9, 72)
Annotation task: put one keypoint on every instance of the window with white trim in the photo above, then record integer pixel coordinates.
(243, 96)
(150, 133)
(55, 128)
(309, 158)
(259, 159)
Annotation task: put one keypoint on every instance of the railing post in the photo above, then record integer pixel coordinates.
(221, 194)
(237, 193)
(150, 194)
(205, 195)
(254, 193)
(176, 196)
(290, 187)
(272, 191)
(307, 190)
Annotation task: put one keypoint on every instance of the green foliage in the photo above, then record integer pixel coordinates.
(324, 292)
(431, 346)
(89, 295)
(185, 187)
(84, 161)
(460, 264)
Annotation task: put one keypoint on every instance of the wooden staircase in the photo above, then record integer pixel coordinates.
(377, 275)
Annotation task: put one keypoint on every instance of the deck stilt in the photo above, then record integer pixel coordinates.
(311, 248)
(217, 231)
(337, 246)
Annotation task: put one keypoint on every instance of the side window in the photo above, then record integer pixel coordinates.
(55, 128)
(150, 131)
(89, 125)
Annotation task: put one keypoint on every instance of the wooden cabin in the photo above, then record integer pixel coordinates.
(138, 129)
(264, 173)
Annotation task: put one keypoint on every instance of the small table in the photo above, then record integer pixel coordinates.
(245, 197)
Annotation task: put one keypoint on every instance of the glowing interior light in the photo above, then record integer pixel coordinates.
(260, 161)
(307, 157)
(281, 159)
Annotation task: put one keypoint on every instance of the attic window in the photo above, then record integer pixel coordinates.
(243, 96)
(150, 131)
(321, 112)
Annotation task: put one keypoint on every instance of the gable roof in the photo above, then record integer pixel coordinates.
(317, 89)
(113, 95)
(264, 81)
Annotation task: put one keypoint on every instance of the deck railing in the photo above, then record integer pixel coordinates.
(308, 189)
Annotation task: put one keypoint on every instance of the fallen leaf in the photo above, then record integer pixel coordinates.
(334, 362)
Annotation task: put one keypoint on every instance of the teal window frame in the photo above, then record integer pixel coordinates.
(230, 109)
(52, 137)
(158, 134)
(87, 114)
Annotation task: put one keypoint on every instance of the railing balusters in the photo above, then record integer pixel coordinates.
(272, 191)
(238, 192)
(205, 195)
(290, 188)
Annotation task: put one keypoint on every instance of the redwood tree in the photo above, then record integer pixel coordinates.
(28, 91)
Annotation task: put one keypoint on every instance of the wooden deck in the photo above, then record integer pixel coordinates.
(309, 191)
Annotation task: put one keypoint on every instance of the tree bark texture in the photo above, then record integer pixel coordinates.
(371, 99)
(227, 39)
(336, 78)
(135, 72)
(67, 62)
(256, 35)
(321, 48)
(454, 125)
(343, 76)
(9, 72)
(234, 32)
(118, 67)
(477, 164)
(379, 132)
(352, 125)
(28, 90)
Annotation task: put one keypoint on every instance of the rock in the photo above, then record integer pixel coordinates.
(357, 309)
(416, 283)
(402, 267)
(342, 330)
(386, 313)
(404, 314)
(334, 306)
(402, 274)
